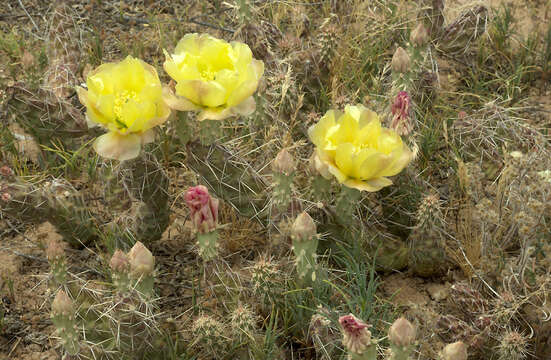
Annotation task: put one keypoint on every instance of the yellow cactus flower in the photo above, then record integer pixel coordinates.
(125, 98)
(212, 76)
(355, 148)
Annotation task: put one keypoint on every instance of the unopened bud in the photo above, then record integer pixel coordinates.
(356, 337)
(402, 333)
(303, 228)
(203, 208)
(6, 171)
(283, 163)
(55, 250)
(6, 197)
(27, 60)
(419, 36)
(401, 109)
(119, 262)
(400, 61)
(141, 260)
(455, 351)
(62, 304)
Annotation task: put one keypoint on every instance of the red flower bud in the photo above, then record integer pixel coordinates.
(356, 337)
(203, 207)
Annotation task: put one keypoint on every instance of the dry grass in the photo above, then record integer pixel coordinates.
(479, 129)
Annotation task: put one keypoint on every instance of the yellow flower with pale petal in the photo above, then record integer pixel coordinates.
(125, 98)
(355, 148)
(212, 76)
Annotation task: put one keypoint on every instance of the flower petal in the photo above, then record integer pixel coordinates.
(249, 85)
(348, 130)
(177, 102)
(246, 107)
(317, 132)
(344, 158)
(373, 165)
(401, 157)
(369, 185)
(203, 93)
(148, 136)
(119, 147)
(335, 171)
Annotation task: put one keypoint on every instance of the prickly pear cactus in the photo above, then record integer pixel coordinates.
(70, 213)
(233, 180)
(426, 241)
(55, 201)
(389, 253)
(147, 185)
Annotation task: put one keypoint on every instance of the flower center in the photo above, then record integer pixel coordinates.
(121, 98)
(207, 72)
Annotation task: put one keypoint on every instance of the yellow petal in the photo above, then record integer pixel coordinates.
(388, 141)
(228, 79)
(130, 75)
(317, 132)
(204, 93)
(189, 43)
(100, 81)
(216, 54)
(119, 147)
(249, 85)
(321, 167)
(336, 172)
(359, 159)
(367, 116)
(348, 130)
(355, 111)
(373, 165)
(89, 122)
(150, 93)
(369, 133)
(401, 157)
(177, 102)
(147, 112)
(95, 117)
(370, 185)
(243, 56)
(344, 158)
(246, 108)
(82, 95)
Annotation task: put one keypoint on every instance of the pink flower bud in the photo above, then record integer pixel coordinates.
(455, 351)
(402, 333)
(6, 171)
(141, 260)
(304, 227)
(203, 207)
(419, 36)
(283, 163)
(6, 197)
(400, 61)
(402, 113)
(62, 304)
(119, 262)
(356, 337)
